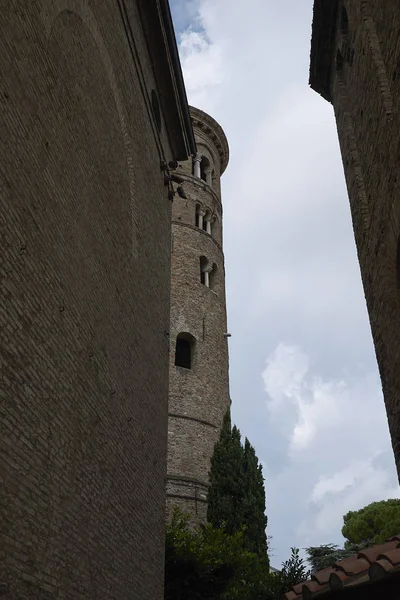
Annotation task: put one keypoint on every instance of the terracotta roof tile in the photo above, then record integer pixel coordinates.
(352, 565)
(394, 538)
(371, 554)
(337, 580)
(297, 588)
(311, 589)
(369, 564)
(291, 596)
(322, 576)
(392, 556)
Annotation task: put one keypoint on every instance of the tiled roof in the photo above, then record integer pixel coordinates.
(370, 564)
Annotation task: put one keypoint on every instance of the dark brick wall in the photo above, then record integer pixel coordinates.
(85, 229)
(366, 99)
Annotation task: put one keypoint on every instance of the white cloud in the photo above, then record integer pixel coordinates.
(333, 444)
(355, 486)
(318, 405)
(202, 64)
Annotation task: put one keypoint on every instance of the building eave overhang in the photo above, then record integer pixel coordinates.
(322, 46)
(163, 49)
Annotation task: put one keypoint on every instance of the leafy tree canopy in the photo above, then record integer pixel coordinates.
(207, 563)
(372, 524)
(322, 557)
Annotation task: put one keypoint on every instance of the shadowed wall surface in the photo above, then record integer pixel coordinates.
(85, 226)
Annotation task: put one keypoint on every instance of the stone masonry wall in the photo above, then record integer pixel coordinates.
(84, 307)
(366, 98)
(199, 397)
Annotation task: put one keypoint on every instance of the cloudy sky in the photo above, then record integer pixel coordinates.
(304, 381)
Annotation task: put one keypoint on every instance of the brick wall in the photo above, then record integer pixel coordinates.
(365, 91)
(84, 306)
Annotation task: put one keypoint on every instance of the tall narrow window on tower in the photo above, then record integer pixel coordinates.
(184, 350)
(214, 226)
(199, 216)
(204, 271)
(206, 221)
(206, 170)
(213, 276)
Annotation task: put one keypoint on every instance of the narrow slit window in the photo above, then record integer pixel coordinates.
(213, 276)
(204, 271)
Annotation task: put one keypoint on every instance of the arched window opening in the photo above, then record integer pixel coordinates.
(205, 170)
(184, 350)
(198, 215)
(204, 271)
(344, 21)
(196, 165)
(214, 227)
(213, 276)
(398, 264)
(206, 222)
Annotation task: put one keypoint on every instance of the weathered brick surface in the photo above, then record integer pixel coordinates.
(198, 397)
(365, 92)
(85, 229)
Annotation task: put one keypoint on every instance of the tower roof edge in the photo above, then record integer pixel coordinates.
(214, 130)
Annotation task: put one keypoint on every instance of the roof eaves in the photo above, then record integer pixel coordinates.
(322, 46)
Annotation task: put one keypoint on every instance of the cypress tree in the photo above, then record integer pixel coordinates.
(236, 496)
(254, 517)
(226, 494)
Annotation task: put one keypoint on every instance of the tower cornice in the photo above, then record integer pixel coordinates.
(214, 131)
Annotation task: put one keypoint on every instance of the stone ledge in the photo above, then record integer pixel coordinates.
(194, 228)
(177, 416)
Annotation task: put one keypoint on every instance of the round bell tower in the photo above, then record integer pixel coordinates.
(199, 384)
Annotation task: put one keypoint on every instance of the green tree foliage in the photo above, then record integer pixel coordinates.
(373, 524)
(370, 525)
(226, 491)
(207, 563)
(254, 518)
(322, 557)
(294, 570)
(236, 497)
